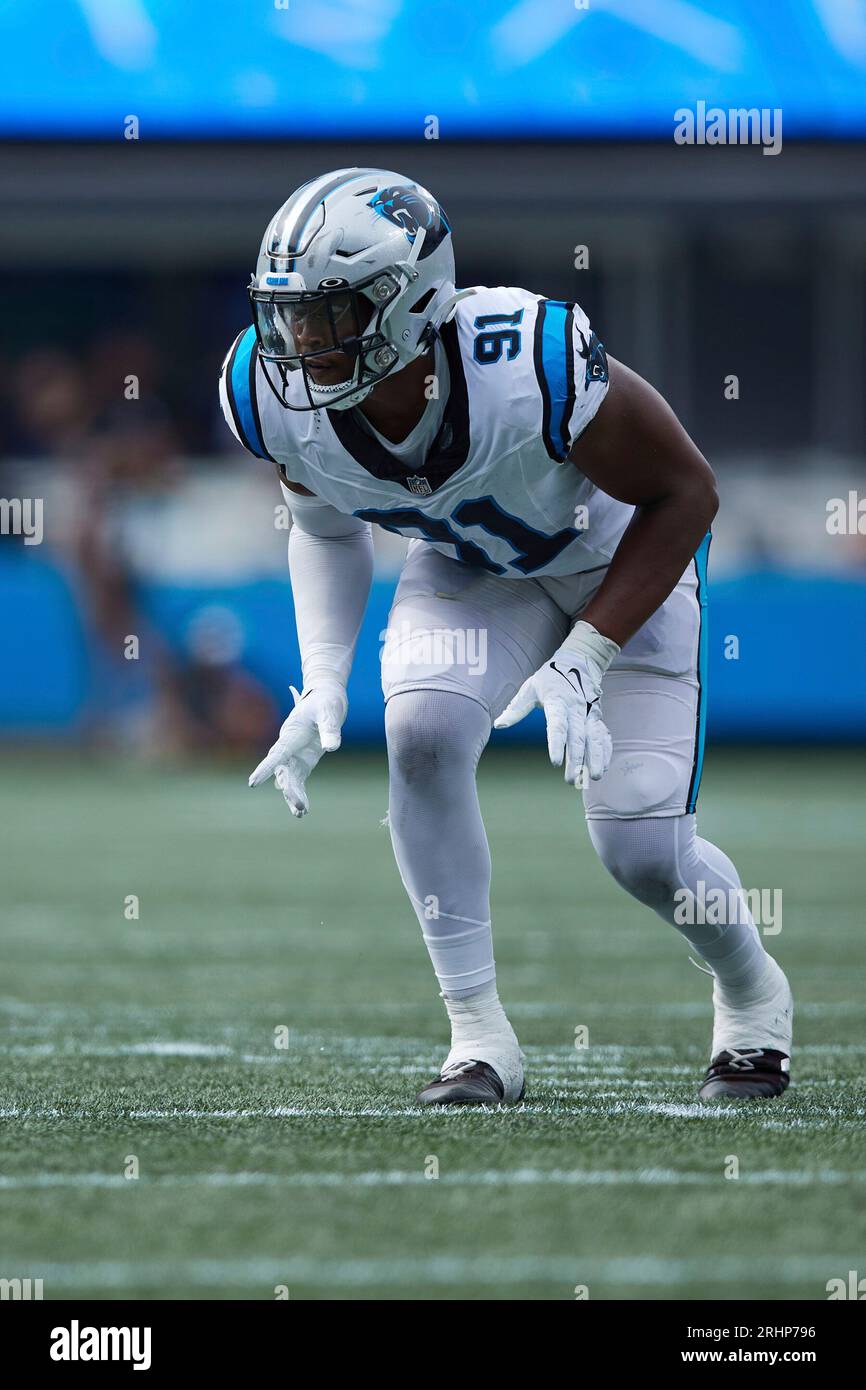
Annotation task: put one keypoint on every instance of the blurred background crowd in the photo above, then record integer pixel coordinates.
(156, 611)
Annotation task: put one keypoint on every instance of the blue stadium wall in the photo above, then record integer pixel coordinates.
(780, 686)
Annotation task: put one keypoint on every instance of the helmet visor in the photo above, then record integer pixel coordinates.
(331, 335)
(302, 323)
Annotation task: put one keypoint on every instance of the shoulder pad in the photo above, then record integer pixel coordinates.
(238, 394)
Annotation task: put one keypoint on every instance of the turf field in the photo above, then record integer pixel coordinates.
(305, 1165)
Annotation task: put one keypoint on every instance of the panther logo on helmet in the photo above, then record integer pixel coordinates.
(409, 209)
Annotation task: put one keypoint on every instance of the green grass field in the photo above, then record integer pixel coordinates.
(305, 1166)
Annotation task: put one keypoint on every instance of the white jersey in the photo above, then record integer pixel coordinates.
(496, 491)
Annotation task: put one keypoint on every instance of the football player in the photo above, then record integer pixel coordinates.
(558, 517)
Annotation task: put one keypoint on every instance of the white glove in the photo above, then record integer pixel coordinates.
(312, 728)
(568, 689)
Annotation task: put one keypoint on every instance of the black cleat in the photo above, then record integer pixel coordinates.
(472, 1083)
(746, 1075)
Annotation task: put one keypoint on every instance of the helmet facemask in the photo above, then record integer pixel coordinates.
(301, 330)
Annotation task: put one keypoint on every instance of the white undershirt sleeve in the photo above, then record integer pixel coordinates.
(331, 568)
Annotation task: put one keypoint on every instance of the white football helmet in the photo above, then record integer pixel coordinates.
(354, 277)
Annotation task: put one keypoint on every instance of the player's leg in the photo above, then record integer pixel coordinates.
(459, 645)
(435, 738)
(642, 822)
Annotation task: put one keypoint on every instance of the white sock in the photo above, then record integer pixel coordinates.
(477, 1023)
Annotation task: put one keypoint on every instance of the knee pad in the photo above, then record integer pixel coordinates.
(638, 783)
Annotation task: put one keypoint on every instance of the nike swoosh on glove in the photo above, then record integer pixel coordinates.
(312, 728)
(568, 689)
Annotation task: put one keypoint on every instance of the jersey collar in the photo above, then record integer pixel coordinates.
(449, 449)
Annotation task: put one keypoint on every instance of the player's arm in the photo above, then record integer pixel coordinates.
(637, 451)
(331, 568)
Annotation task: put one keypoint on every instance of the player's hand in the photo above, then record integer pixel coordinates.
(312, 728)
(568, 689)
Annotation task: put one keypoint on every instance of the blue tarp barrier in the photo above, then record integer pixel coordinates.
(787, 656)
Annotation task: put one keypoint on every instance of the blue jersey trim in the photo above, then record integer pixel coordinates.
(554, 367)
(701, 563)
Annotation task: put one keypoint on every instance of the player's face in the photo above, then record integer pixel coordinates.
(318, 326)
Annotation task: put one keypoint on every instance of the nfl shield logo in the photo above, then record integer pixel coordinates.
(419, 486)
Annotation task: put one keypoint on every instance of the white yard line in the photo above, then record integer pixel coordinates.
(142, 1049)
(386, 1050)
(264, 1274)
(611, 1059)
(493, 1177)
(690, 1111)
(604, 1106)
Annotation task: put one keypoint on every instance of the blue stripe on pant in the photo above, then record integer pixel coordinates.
(701, 559)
